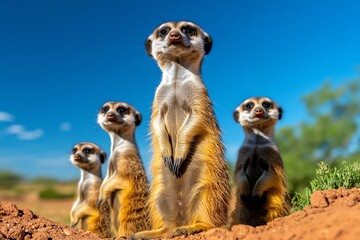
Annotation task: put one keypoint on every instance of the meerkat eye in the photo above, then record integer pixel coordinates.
(163, 31)
(189, 31)
(122, 110)
(267, 105)
(74, 150)
(105, 109)
(248, 106)
(87, 150)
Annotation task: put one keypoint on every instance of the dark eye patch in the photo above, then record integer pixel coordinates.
(87, 150)
(248, 106)
(267, 104)
(105, 109)
(189, 30)
(163, 31)
(74, 150)
(122, 110)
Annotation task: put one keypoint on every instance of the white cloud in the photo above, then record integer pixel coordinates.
(54, 161)
(22, 133)
(15, 129)
(31, 135)
(6, 117)
(65, 127)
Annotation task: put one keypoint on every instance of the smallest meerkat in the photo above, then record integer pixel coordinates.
(89, 157)
(261, 194)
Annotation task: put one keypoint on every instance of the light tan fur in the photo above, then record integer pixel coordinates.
(190, 187)
(261, 194)
(125, 185)
(89, 157)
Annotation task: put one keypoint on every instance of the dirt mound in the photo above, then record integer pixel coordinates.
(333, 214)
(17, 223)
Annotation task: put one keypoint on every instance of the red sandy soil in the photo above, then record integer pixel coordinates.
(333, 214)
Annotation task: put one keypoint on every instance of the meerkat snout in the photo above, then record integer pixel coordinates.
(110, 116)
(259, 112)
(174, 37)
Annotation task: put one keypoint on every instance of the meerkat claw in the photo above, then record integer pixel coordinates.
(168, 161)
(99, 203)
(74, 224)
(177, 165)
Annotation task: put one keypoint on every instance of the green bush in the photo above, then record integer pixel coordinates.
(51, 193)
(44, 180)
(328, 134)
(347, 176)
(9, 179)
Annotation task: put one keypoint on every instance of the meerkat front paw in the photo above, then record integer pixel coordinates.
(246, 200)
(98, 204)
(166, 152)
(74, 223)
(168, 160)
(173, 165)
(177, 165)
(181, 152)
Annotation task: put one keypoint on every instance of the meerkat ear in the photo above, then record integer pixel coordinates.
(148, 44)
(236, 115)
(207, 43)
(138, 118)
(102, 157)
(280, 112)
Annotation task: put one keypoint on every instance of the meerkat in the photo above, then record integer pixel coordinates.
(125, 185)
(261, 193)
(89, 157)
(190, 186)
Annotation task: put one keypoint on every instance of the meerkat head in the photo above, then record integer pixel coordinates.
(258, 112)
(87, 156)
(118, 117)
(178, 41)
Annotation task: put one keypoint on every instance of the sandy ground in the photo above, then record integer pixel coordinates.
(333, 214)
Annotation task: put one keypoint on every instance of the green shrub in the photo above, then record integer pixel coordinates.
(44, 180)
(51, 193)
(9, 179)
(348, 176)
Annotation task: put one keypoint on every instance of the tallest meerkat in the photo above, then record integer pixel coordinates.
(190, 187)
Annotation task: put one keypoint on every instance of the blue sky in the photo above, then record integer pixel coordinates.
(61, 60)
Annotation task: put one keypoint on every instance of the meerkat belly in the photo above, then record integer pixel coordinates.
(176, 115)
(255, 167)
(177, 200)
